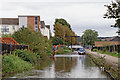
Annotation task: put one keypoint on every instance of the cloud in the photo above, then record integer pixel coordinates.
(81, 14)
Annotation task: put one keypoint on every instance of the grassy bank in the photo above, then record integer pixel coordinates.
(63, 50)
(0, 66)
(13, 64)
(112, 70)
(115, 54)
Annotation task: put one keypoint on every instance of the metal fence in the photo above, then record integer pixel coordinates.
(7, 48)
(109, 48)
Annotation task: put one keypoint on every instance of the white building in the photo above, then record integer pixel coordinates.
(45, 29)
(9, 25)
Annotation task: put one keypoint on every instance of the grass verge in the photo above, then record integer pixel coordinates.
(115, 54)
(14, 64)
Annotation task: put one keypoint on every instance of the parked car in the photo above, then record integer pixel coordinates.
(81, 51)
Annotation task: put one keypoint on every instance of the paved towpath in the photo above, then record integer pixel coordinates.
(108, 58)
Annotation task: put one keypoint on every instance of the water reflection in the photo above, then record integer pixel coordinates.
(76, 66)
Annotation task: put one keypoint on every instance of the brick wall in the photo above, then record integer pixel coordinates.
(31, 22)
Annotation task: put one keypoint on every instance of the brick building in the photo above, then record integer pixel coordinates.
(31, 22)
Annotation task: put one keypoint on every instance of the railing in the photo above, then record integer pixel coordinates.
(7, 48)
(109, 48)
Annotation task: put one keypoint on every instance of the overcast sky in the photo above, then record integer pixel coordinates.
(81, 14)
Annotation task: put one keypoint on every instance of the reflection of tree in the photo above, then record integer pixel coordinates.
(45, 63)
(65, 64)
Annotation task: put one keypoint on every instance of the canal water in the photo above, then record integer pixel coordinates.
(65, 66)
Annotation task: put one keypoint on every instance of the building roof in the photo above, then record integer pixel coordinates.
(42, 24)
(8, 40)
(26, 15)
(115, 38)
(9, 21)
(48, 26)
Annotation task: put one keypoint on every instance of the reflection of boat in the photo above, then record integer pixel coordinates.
(81, 51)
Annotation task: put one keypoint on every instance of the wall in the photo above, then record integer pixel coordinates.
(45, 32)
(22, 21)
(104, 43)
(31, 22)
(11, 30)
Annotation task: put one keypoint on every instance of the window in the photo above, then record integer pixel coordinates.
(13, 27)
(4, 29)
(36, 28)
(35, 20)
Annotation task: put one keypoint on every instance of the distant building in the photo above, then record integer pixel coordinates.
(45, 29)
(115, 38)
(108, 41)
(31, 22)
(9, 25)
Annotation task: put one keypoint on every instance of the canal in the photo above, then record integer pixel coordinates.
(66, 66)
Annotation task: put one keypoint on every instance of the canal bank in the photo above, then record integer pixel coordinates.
(64, 66)
(109, 63)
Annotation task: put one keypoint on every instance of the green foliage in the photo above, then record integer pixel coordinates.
(63, 22)
(0, 65)
(95, 50)
(113, 11)
(27, 55)
(62, 29)
(6, 35)
(114, 53)
(63, 50)
(60, 50)
(14, 64)
(67, 50)
(89, 37)
(57, 41)
(37, 43)
(100, 39)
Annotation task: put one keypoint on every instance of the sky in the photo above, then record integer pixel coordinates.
(80, 14)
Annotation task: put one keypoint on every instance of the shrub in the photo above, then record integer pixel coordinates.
(67, 50)
(37, 43)
(14, 64)
(60, 50)
(95, 50)
(27, 55)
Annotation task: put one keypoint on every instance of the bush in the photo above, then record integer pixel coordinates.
(67, 50)
(27, 55)
(60, 50)
(14, 64)
(37, 43)
(95, 50)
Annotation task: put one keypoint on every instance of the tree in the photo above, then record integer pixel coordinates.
(62, 28)
(57, 41)
(89, 37)
(113, 11)
(62, 22)
(37, 43)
